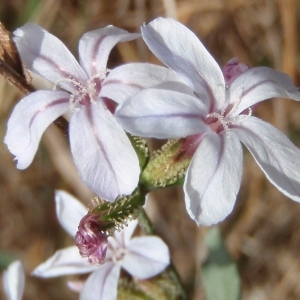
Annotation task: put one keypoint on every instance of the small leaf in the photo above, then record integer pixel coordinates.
(220, 276)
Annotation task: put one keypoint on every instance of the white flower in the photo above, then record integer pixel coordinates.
(102, 152)
(142, 257)
(210, 114)
(14, 281)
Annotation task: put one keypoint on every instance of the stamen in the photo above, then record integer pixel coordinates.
(85, 94)
(241, 118)
(75, 82)
(224, 122)
(234, 107)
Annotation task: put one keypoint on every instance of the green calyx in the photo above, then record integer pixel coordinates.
(141, 148)
(167, 166)
(115, 215)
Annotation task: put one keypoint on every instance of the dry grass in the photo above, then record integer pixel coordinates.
(262, 233)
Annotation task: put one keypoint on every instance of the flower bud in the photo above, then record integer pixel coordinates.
(91, 240)
(233, 69)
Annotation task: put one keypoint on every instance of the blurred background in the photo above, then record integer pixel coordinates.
(262, 234)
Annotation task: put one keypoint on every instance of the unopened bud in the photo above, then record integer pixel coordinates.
(233, 69)
(91, 240)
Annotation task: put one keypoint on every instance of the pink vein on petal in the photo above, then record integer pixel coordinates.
(90, 119)
(95, 52)
(49, 105)
(209, 91)
(190, 116)
(63, 72)
(244, 93)
(207, 86)
(220, 155)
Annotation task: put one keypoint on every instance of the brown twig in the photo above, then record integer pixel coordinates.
(15, 78)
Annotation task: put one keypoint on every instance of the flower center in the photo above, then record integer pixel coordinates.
(119, 254)
(217, 122)
(85, 93)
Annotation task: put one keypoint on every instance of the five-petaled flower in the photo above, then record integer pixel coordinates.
(142, 257)
(14, 281)
(213, 115)
(101, 150)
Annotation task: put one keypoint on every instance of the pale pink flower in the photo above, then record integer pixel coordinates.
(14, 281)
(215, 117)
(102, 152)
(142, 257)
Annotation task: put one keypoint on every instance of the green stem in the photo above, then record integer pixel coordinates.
(148, 228)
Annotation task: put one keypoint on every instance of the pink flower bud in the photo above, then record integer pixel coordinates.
(233, 69)
(91, 240)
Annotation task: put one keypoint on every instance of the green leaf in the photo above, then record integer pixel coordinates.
(220, 276)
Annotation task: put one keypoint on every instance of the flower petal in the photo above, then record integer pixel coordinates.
(275, 154)
(162, 114)
(103, 154)
(64, 262)
(179, 48)
(259, 84)
(213, 178)
(14, 281)
(147, 256)
(69, 211)
(75, 285)
(102, 284)
(46, 55)
(123, 237)
(95, 47)
(127, 80)
(29, 119)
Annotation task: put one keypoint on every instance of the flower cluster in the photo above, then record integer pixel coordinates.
(204, 110)
(209, 109)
